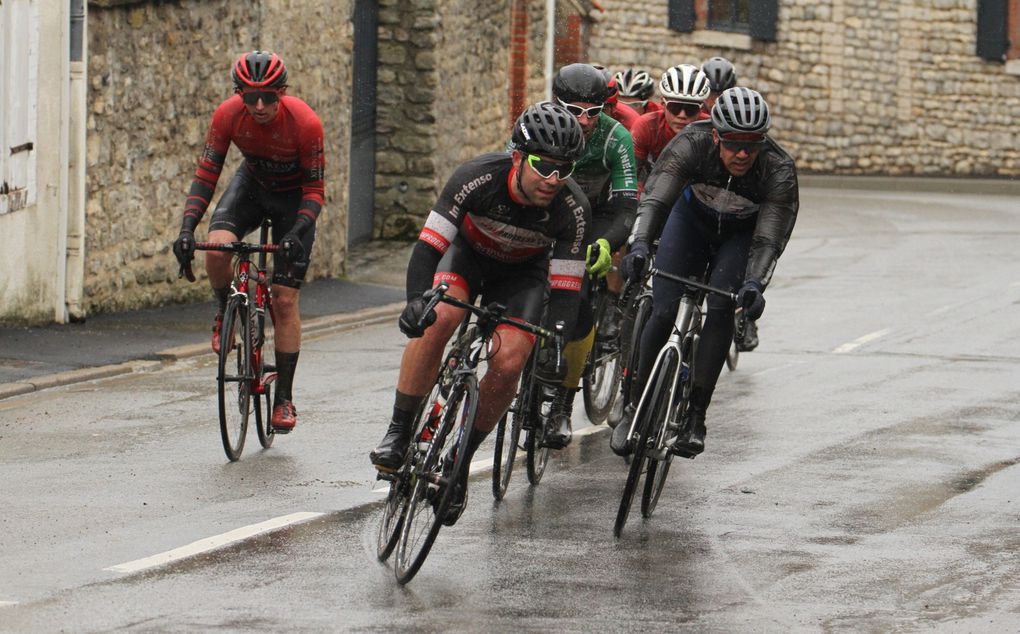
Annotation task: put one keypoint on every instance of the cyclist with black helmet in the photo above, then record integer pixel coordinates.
(721, 76)
(637, 89)
(728, 195)
(281, 177)
(508, 227)
(683, 88)
(606, 174)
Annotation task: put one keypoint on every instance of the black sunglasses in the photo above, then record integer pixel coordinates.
(689, 109)
(268, 97)
(748, 146)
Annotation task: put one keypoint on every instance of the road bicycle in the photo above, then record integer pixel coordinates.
(244, 379)
(661, 417)
(420, 493)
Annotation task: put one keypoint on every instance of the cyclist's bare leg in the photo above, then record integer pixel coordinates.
(422, 356)
(499, 386)
(218, 264)
(286, 318)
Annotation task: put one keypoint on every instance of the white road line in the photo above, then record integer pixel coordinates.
(212, 543)
(860, 341)
(486, 463)
(6, 603)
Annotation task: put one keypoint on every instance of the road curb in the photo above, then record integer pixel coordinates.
(312, 328)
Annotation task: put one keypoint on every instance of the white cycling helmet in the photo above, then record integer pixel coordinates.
(635, 82)
(743, 110)
(685, 83)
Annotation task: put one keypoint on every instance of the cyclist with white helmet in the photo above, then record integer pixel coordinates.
(683, 88)
(637, 89)
(728, 195)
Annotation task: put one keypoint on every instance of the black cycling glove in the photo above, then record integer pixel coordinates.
(184, 247)
(751, 298)
(414, 320)
(634, 263)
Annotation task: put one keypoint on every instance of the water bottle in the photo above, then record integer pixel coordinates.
(431, 423)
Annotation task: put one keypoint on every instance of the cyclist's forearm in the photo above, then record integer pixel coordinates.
(421, 268)
(622, 208)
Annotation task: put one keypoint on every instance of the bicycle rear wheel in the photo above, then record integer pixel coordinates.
(658, 465)
(234, 378)
(599, 383)
(430, 487)
(640, 316)
(263, 415)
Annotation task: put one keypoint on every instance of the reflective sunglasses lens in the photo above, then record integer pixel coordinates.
(546, 169)
(591, 113)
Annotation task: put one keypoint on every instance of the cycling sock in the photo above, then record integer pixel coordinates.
(405, 408)
(221, 295)
(286, 363)
(575, 353)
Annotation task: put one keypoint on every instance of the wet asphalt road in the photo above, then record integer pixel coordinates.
(860, 474)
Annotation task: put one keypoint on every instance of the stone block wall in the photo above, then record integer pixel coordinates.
(157, 70)
(856, 86)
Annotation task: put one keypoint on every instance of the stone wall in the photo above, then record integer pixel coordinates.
(157, 70)
(856, 86)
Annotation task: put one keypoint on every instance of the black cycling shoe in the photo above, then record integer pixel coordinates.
(458, 502)
(691, 441)
(619, 442)
(558, 432)
(748, 340)
(388, 457)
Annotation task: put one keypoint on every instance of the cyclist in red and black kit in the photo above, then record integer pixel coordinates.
(281, 140)
(491, 233)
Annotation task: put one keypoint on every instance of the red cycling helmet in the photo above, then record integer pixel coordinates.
(259, 69)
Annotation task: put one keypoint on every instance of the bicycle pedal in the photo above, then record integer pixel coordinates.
(282, 430)
(389, 477)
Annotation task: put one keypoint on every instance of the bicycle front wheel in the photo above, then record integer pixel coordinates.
(536, 452)
(430, 483)
(661, 458)
(234, 378)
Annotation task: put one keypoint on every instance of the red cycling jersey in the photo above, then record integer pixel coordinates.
(651, 134)
(284, 154)
(625, 115)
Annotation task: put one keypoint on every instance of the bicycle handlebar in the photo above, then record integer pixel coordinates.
(234, 247)
(492, 311)
(694, 284)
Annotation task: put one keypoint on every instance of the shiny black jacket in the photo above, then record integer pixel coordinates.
(769, 188)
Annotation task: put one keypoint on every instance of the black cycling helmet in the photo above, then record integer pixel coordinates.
(259, 69)
(721, 74)
(548, 129)
(741, 109)
(635, 82)
(580, 82)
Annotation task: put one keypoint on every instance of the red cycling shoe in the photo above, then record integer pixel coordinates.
(284, 417)
(216, 328)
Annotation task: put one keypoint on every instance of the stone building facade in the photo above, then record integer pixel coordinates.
(157, 71)
(856, 86)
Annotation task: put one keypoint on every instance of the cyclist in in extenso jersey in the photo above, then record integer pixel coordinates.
(728, 195)
(281, 140)
(606, 174)
(491, 232)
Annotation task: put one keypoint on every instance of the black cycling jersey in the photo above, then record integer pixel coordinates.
(768, 190)
(476, 204)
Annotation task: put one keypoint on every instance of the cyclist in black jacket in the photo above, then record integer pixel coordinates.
(730, 193)
(508, 226)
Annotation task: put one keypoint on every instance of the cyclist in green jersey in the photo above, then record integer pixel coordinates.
(607, 175)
